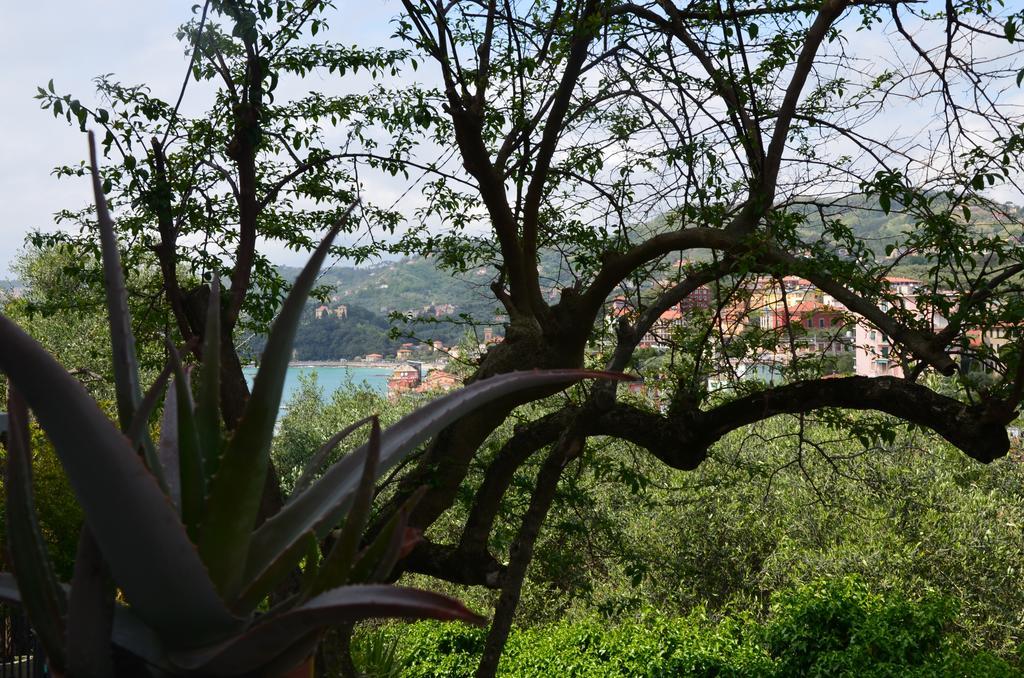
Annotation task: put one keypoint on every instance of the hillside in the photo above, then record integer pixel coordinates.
(439, 305)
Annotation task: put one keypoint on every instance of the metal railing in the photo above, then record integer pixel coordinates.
(21, 656)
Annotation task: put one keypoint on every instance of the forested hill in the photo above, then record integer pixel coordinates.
(444, 306)
(449, 306)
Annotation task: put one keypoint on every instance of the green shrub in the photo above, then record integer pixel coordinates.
(831, 628)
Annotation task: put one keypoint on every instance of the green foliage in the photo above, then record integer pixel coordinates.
(60, 517)
(769, 512)
(310, 420)
(375, 653)
(831, 628)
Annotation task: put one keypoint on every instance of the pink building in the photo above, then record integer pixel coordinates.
(874, 353)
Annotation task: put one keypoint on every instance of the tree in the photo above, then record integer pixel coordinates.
(744, 131)
(195, 195)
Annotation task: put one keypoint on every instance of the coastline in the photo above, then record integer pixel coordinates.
(379, 364)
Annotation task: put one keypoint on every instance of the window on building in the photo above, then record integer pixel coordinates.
(873, 335)
(821, 322)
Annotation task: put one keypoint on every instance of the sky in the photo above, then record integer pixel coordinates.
(73, 42)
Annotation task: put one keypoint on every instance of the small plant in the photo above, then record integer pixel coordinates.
(173, 525)
(375, 653)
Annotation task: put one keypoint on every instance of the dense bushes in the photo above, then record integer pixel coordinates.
(835, 628)
(769, 511)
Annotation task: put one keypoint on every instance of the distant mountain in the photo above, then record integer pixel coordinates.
(365, 303)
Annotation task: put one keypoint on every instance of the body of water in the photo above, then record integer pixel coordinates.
(330, 379)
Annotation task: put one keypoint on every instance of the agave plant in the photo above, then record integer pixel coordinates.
(173, 525)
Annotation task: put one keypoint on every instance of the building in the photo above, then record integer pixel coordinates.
(323, 311)
(405, 378)
(438, 381)
(874, 354)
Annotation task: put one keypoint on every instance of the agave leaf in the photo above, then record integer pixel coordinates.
(43, 597)
(321, 506)
(131, 633)
(190, 456)
(9, 593)
(336, 567)
(263, 642)
(259, 588)
(138, 531)
(208, 405)
(140, 422)
(122, 342)
(169, 445)
(377, 560)
(90, 612)
(236, 490)
(317, 460)
(311, 568)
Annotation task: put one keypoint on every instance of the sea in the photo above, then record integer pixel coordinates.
(329, 378)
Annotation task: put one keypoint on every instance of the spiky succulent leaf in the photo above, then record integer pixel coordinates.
(336, 567)
(122, 341)
(140, 422)
(138, 531)
(43, 597)
(264, 641)
(316, 462)
(321, 506)
(377, 560)
(237, 488)
(191, 476)
(90, 612)
(168, 450)
(9, 593)
(208, 404)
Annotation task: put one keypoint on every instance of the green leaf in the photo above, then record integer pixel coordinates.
(1010, 30)
(208, 406)
(122, 341)
(321, 506)
(884, 202)
(9, 593)
(249, 651)
(336, 567)
(169, 446)
(236, 490)
(138, 531)
(317, 460)
(378, 559)
(191, 477)
(140, 423)
(90, 612)
(43, 597)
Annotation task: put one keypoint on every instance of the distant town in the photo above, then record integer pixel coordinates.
(826, 328)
